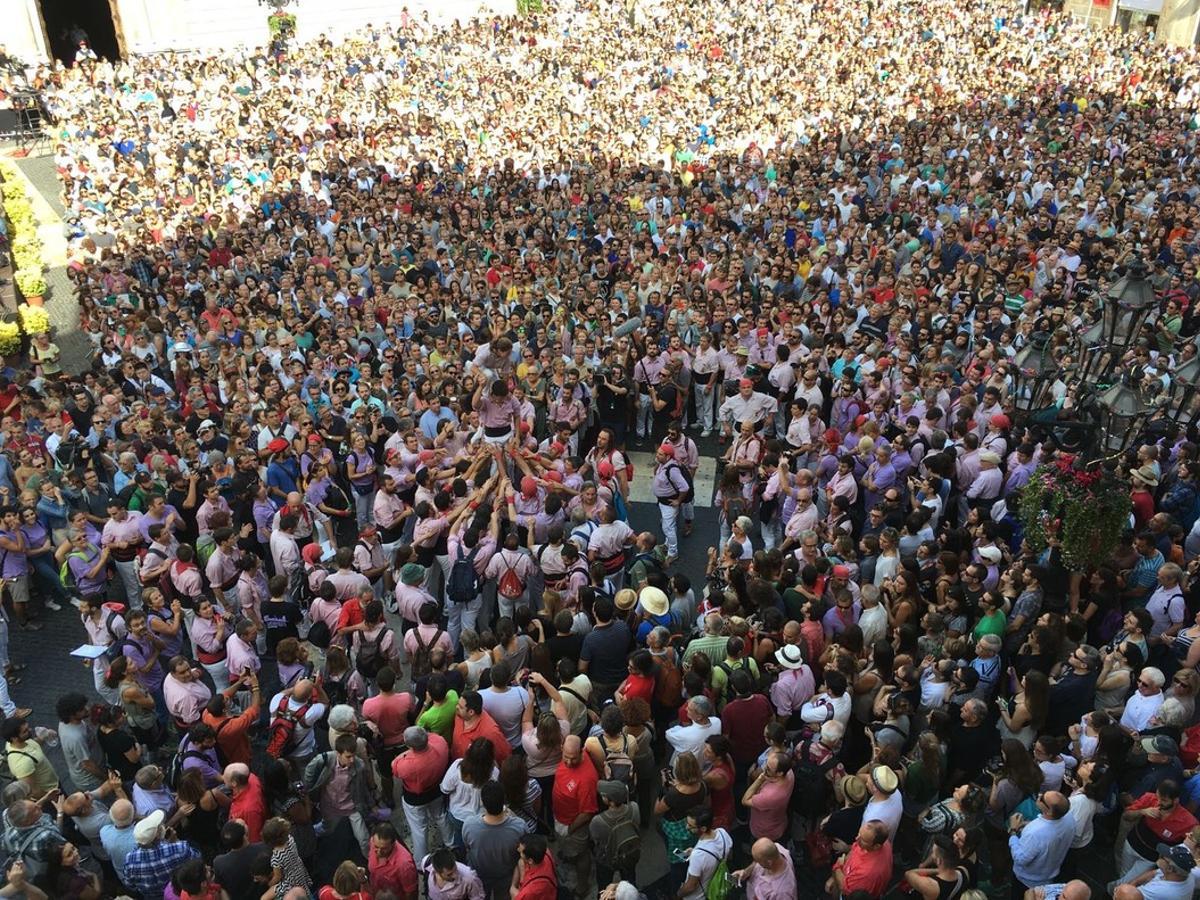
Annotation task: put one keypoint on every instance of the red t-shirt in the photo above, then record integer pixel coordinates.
(575, 791)
(867, 871)
(540, 881)
(743, 722)
(397, 873)
(251, 807)
(640, 686)
(391, 715)
(328, 893)
(487, 729)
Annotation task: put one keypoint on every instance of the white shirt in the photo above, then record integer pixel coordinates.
(705, 857)
(874, 624)
(691, 738)
(1140, 709)
(1083, 809)
(823, 707)
(886, 811)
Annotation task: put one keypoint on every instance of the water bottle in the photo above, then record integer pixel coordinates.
(47, 737)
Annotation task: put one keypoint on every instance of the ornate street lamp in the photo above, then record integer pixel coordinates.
(1122, 412)
(1126, 306)
(1035, 365)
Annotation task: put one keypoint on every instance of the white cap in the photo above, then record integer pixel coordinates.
(146, 831)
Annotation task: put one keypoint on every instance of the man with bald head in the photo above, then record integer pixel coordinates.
(116, 836)
(648, 557)
(89, 810)
(1072, 890)
(304, 702)
(1039, 847)
(770, 876)
(249, 802)
(868, 865)
(575, 786)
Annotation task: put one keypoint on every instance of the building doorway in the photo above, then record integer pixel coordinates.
(69, 21)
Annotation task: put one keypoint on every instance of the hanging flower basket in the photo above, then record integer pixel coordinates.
(281, 24)
(1085, 511)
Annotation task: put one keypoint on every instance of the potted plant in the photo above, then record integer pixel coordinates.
(10, 339)
(31, 284)
(34, 319)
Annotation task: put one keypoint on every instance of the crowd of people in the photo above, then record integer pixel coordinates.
(342, 495)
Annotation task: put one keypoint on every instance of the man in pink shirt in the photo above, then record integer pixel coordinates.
(770, 876)
(768, 798)
(185, 694)
(466, 542)
(123, 535)
(410, 596)
(390, 711)
(389, 514)
(241, 655)
(418, 771)
(521, 565)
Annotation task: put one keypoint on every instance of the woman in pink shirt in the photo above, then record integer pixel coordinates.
(208, 631)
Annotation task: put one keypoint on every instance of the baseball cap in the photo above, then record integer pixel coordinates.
(1161, 743)
(1178, 856)
(145, 831)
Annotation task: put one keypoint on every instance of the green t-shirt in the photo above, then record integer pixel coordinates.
(440, 717)
(994, 623)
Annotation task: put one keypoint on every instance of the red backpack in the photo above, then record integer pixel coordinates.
(628, 465)
(510, 584)
(281, 737)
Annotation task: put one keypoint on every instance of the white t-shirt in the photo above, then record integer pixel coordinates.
(704, 859)
(887, 810)
(304, 739)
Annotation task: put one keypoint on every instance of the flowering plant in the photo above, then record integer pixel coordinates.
(34, 319)
(1082, 510)
(10, 338)
(30, 282)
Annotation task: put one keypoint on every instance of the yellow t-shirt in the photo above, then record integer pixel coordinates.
(30, 760)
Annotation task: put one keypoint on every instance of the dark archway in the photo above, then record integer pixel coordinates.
(68, 20)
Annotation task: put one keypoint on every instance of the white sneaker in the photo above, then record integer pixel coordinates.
(705, 433)
(77, 603)
(50, 604)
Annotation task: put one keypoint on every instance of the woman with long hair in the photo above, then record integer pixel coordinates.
(685, 792)
(1024, 717)
(1017, 780)
(462, 782)
(524, 795)
(136, 701)
(542, 737)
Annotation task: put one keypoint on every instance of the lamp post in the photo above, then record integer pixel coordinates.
(1112, 411)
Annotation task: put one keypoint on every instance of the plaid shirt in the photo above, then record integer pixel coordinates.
(149, 868)
(31, 844)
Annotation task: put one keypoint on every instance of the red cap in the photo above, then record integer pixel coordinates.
(311, 553)
(841, 571)
(528, 486)
(667, 449)
(1000, 420)
(860, 420)
(745, 382)
(833, 436)
(558, 446)
(314, 439)
(763, 332)
(427, 455)
(278, 445)
(605, 469)
(555, 476)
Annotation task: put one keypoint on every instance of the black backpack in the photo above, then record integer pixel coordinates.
(624, 845)
(812, 802)
(463, 584)
(369, 665)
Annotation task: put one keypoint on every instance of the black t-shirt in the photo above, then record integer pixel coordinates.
(568, 646)
(232, 871)
(606, 650)
(280, 620)
(843, 824)
(115, 745)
